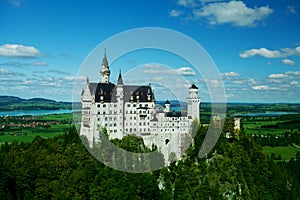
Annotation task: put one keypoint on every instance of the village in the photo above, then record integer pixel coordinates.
(20, 125)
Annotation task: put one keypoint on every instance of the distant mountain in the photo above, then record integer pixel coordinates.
(8, 103)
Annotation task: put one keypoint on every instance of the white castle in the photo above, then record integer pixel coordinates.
(131, 109)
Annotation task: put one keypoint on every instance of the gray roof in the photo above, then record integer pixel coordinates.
(108, 91)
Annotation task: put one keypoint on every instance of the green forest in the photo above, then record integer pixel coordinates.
(62, 168)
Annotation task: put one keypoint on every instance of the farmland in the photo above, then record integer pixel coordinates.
(26, 128)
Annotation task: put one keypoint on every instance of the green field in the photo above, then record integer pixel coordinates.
(57, 117)
(286, 153)
(30, 133)
(255, 125)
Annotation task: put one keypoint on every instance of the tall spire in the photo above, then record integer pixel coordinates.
(120, 80)
(104, 72)
(104, 61)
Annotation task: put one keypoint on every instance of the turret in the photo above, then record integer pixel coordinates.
(104, 72)
(120, 85)
(193, 103)
(237, 123)
(167, 106)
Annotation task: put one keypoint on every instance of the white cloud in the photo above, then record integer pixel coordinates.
(175, 13)
(233, 12)
(278, 76)
(23, 64)
(18, 50)
(291, 10)
(186, 3)
(155, 66)
(17, 3)
(294, 82)
(261, 52)
(231, 74)
(288, 62)
(42, 63)
(55, 71)
(158, 69)
(185, 71)
(285, 52)
(73, 78)
(264, 87)
(4, 73)
(239, 82)
(293, 73)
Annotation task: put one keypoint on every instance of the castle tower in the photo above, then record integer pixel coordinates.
(193, 103)
(167, 106)
(120, 106)
(237, 123)
(104, 72)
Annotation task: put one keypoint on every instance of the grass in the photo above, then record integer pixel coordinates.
(255, 126)
(31, 133)
(57, 117)
(286, 152)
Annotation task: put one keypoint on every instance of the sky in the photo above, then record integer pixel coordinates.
(255, 45)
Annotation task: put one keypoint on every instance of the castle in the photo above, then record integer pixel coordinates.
(131, 109)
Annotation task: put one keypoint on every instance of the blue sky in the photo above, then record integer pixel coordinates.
(254, 44)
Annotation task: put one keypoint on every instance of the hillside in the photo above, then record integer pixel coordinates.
(8, 103)
(61, 168)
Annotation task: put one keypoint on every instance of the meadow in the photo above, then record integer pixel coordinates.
(274, 125)
(28, 134)
(285, 152)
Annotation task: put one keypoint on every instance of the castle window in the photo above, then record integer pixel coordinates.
(146, 105)
(103, 112)
(131, 112)
(134, 105)
(98, 105)
(98, 113)
(104, 105)
(167, 141)
(128, 105)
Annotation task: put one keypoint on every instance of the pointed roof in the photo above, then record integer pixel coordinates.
(120, 80)
(167, 102)
(193, 86)
(104, 61)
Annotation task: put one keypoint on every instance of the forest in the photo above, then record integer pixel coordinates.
(62, 168)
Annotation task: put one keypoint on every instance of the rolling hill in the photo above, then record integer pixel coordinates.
(8, 103)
